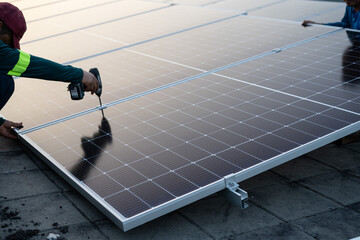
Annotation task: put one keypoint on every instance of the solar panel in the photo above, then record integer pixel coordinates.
(187, 104)
(155, 153)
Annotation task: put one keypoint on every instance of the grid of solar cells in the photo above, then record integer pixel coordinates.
(180, 139)
(132, 73)
(324, 70)
(228, 41)
(297, 10)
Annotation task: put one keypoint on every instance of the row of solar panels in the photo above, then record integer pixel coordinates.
(193, 95)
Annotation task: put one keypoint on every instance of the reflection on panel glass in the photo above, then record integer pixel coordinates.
(93, 147)
(157, 149)
(325, 70)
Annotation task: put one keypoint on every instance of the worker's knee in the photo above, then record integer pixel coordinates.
(7, 87)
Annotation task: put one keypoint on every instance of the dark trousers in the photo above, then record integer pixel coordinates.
(6, 89)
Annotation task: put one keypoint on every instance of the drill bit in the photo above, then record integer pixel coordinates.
(101, 107)
(100, 102)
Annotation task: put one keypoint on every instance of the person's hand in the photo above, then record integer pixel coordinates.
(6, 129)
(307, 23)
(90, 82)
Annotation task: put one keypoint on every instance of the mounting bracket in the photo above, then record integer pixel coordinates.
(233, 193)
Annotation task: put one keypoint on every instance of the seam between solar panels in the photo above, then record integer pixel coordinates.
(65, 13)
(205, 73)
(155, 38)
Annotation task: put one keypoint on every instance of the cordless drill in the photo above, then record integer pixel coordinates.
(77, 90)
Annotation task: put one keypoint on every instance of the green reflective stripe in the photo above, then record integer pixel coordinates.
(21, 65)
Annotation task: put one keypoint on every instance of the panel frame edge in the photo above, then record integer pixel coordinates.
(129, 223)
(123, 223)
(297, 152)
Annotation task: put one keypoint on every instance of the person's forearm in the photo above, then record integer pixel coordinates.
(335, 24)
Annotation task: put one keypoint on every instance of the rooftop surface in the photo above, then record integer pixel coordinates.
(316, 196)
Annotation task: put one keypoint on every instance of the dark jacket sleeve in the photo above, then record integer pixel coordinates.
(37, 67)
(45, 69)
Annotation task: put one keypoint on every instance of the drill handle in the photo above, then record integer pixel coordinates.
(96, 73)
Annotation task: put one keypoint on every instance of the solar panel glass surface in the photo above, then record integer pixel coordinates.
(324, 70)
(155, 149)
(192, 95)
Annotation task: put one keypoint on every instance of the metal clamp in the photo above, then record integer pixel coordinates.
(233, 193)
